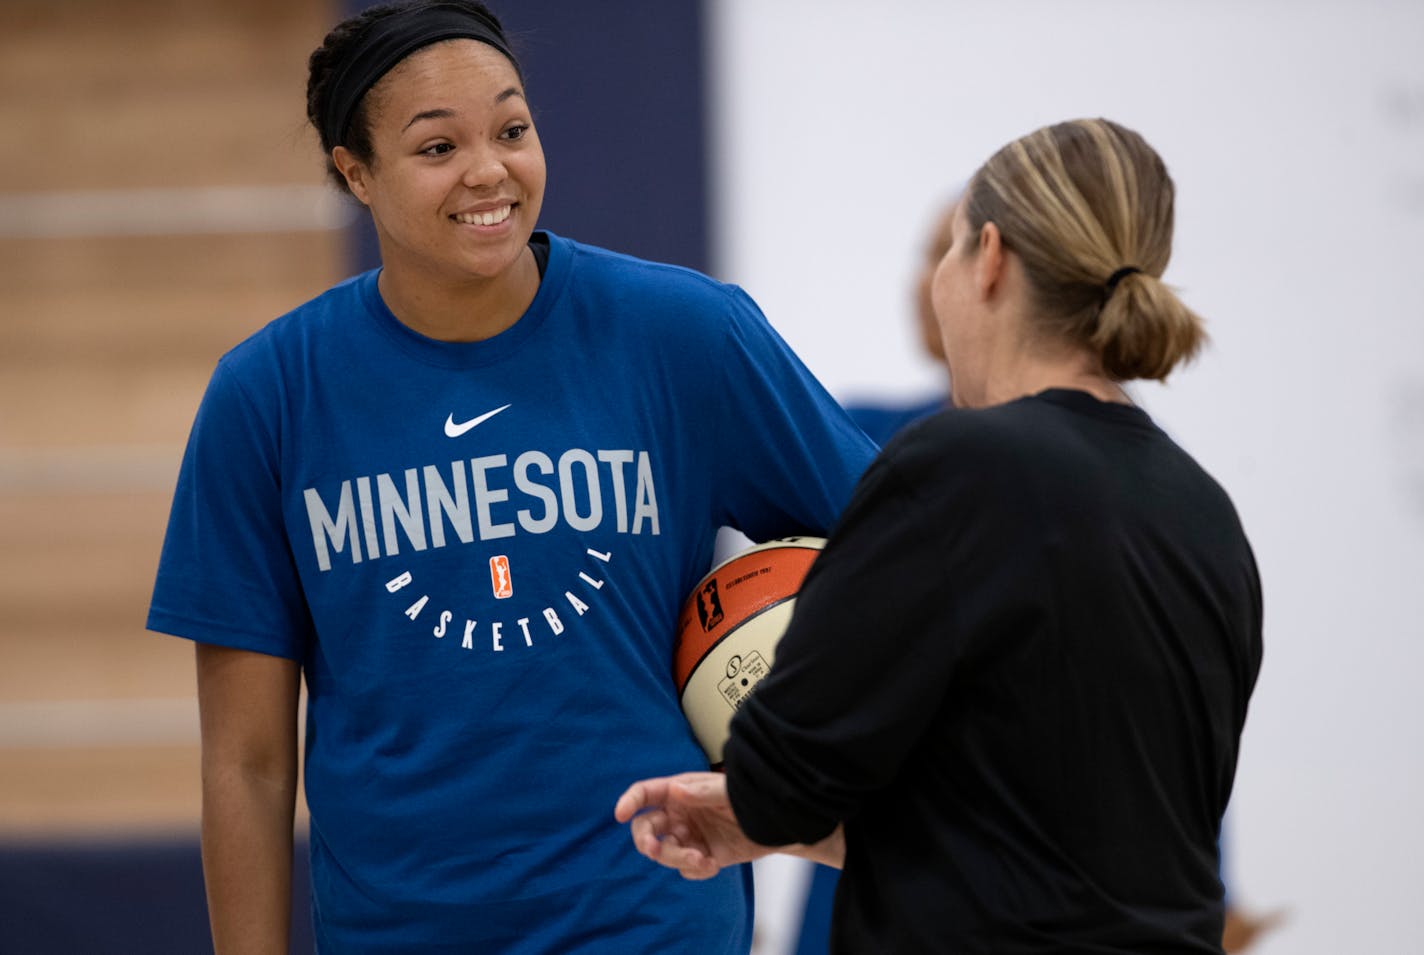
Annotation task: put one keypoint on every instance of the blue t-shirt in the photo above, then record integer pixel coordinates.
(477, 552)
(881, 422)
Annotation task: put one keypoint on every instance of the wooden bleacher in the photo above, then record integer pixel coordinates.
(106, 342)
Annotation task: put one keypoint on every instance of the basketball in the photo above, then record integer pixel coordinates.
(728, 631)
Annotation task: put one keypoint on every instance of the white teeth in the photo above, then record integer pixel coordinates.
(484, 218)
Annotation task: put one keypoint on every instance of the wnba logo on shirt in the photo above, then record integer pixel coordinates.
(709, 606)
(499, 577)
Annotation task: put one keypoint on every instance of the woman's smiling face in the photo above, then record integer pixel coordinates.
(457, 174)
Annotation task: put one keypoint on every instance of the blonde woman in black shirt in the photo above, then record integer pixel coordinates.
(1010, 699)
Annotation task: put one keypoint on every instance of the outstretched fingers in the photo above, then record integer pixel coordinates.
(661, 839)
(690, 790)
(639, 796)
(662, 830)
(651, 831)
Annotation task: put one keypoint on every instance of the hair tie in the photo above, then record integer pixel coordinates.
(390, 40)
(1118, 276)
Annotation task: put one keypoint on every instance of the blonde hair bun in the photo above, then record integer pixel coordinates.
(1087, 205)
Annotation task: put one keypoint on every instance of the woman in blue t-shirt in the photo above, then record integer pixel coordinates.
(462, 497)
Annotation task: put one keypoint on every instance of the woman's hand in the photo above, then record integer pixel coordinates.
(686, 823)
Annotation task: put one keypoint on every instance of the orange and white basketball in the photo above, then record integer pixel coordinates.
(728, 631)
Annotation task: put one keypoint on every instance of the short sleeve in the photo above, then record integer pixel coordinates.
(226, 574)
(789, 454)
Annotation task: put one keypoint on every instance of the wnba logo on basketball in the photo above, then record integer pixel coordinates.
(728, 629)
(499, 577)
(709, 606)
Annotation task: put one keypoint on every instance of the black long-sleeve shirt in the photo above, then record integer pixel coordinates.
(1018, 673)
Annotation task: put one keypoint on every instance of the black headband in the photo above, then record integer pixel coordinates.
(386, 43)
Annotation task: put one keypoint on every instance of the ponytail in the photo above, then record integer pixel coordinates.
(1144, 330)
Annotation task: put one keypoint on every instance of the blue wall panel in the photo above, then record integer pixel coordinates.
(619, 98)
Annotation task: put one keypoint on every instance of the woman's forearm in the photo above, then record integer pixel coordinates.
(248, 708)
(247, 861)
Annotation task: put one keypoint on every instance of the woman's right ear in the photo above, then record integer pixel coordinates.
(352, 170)
(989, 260)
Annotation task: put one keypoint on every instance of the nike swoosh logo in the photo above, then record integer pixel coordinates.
(454, 430)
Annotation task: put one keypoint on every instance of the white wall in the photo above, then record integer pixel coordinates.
(1295, 132)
